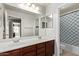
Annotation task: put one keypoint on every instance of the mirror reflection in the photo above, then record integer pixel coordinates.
(39, 24)
(19, 23)
(46, 22)
(14, 27)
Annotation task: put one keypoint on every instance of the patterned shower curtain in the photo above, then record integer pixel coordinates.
(69, 28)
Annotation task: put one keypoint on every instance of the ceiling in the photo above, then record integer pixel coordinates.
(69, 8)
(43, 4)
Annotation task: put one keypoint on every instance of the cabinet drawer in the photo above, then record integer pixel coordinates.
(40, 45)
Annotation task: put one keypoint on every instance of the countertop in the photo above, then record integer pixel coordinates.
(9, 45)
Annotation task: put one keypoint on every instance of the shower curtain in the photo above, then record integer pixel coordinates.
(69, 28)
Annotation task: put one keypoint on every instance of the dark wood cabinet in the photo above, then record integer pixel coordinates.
(41, 52)
(32, 53)
(11, 53)
(14, 52)
(49, 48)
(41, 49)
(40, 45)
(29, 51)
(4, 54)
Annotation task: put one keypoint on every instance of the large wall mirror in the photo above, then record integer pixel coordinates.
(18, 23)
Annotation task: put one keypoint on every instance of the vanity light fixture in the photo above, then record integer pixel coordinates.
(30, 7)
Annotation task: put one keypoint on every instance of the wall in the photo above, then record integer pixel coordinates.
(52, 7)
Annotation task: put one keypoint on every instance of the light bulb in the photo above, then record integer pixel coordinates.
(37, 8)
(33, 6)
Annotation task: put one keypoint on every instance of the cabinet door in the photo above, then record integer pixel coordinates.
(15, 53)
(49, 48)
(41, 49)
(29, 51)
(11, 53)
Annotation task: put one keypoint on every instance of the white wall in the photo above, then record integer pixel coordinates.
(26, 19)
(54, 10)
(52, 7)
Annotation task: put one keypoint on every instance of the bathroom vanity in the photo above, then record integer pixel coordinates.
(24, 33)
(46, 48)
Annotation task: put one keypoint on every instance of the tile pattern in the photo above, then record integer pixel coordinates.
(69, 28)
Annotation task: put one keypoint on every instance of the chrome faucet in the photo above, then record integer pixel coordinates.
(17, 40)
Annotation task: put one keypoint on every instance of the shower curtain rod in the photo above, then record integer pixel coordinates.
(69, 12)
